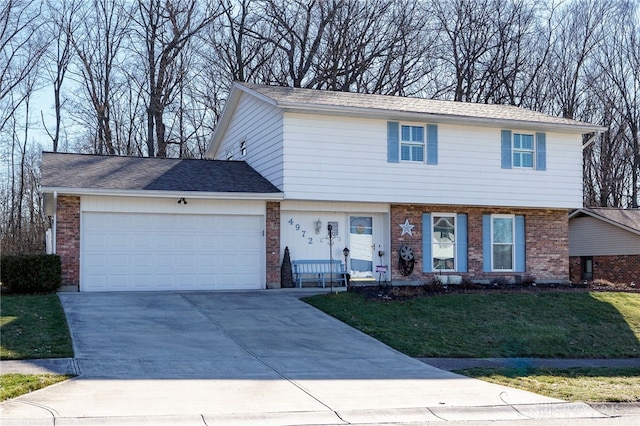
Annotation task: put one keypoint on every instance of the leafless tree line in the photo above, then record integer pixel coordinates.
(150, 77)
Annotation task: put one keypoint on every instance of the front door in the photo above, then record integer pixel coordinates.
(362, 247)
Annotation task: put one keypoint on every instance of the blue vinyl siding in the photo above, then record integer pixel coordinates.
(393, 142)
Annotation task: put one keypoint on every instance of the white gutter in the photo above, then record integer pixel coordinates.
(271, 196)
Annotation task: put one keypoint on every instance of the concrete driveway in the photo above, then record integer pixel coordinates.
(261, 357)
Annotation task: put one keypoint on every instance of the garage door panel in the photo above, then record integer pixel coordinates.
(123, 251)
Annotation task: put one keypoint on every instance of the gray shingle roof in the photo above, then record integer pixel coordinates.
(60, 170)
(626, 218)
(287, 97)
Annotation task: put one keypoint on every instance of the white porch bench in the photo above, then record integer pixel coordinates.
(319, 270)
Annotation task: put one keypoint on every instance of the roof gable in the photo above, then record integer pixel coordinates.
(74, 172)
(627, 219)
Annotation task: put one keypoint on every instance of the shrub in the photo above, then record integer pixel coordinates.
(40, 273)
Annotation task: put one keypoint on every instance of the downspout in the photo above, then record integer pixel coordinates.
(55, 223)
(592, 139)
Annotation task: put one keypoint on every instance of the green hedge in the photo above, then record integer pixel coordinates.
(40, 273)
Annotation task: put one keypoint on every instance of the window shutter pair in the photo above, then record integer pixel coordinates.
(461, 243)
(393, 142)
(519, 247)
(541, 150)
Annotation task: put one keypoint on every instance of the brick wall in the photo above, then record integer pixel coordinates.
(68, 239)
(546, 240)
(620, 269)
(273, 244)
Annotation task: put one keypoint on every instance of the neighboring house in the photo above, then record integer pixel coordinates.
(420, 187)
(604, 244)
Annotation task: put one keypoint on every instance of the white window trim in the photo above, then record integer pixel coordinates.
(514, 150)
(243, 148)
(424, 142)
(513, 241)
(455, 241)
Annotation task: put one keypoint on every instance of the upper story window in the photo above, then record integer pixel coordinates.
(524, 150)
(229, 155)
(412, 143)
(243, 148)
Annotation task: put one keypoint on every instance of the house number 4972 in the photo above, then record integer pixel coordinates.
(303, 232)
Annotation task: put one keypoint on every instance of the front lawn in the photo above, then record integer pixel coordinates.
(573, 384)
(486, 325)
(13, 385)
(33, 326)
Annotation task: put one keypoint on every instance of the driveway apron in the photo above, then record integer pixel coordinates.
(262, 355)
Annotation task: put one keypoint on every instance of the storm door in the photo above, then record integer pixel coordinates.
(362, 246)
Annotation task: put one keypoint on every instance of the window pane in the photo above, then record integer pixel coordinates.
(516, 141)
(502, 230)
(444, 229)
(502, 256)
(517, 162)
(406, 133)
(527, 141)
(527, 159)
(405, 152)
(417, 153)
(418, 133)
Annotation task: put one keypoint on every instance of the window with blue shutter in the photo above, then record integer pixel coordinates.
(444, 242)
(523, 150)
(412, 143)
(503, 243)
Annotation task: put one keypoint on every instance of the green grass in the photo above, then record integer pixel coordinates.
(13, 385)
(574, 384)
(544, 324)
(33, 326)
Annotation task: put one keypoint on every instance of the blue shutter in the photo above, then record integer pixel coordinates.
(393, 142)
(426, 243)
(461, 243)
(486, 243)
(432, 144)
(541, 151)
(520, 245)
(507, 158)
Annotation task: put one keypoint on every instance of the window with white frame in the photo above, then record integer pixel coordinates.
(243, 148)
(523, 151)
(412, 143)
(443, 240)
(502, 242)
(229, 154)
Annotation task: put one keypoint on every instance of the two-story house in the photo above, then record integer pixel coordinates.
(419, 187)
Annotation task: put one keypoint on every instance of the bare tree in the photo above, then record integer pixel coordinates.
(166, 29)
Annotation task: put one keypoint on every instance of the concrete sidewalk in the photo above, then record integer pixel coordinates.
(256, 358)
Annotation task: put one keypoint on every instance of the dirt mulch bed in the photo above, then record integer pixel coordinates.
(406, 292)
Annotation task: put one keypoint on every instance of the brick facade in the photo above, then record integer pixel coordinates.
(68, 239)
(273, 244)
(620, 269)
(546, 241)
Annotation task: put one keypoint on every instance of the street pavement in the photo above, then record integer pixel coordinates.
(260, 357)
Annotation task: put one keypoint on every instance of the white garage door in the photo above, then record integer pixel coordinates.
(150, 252)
